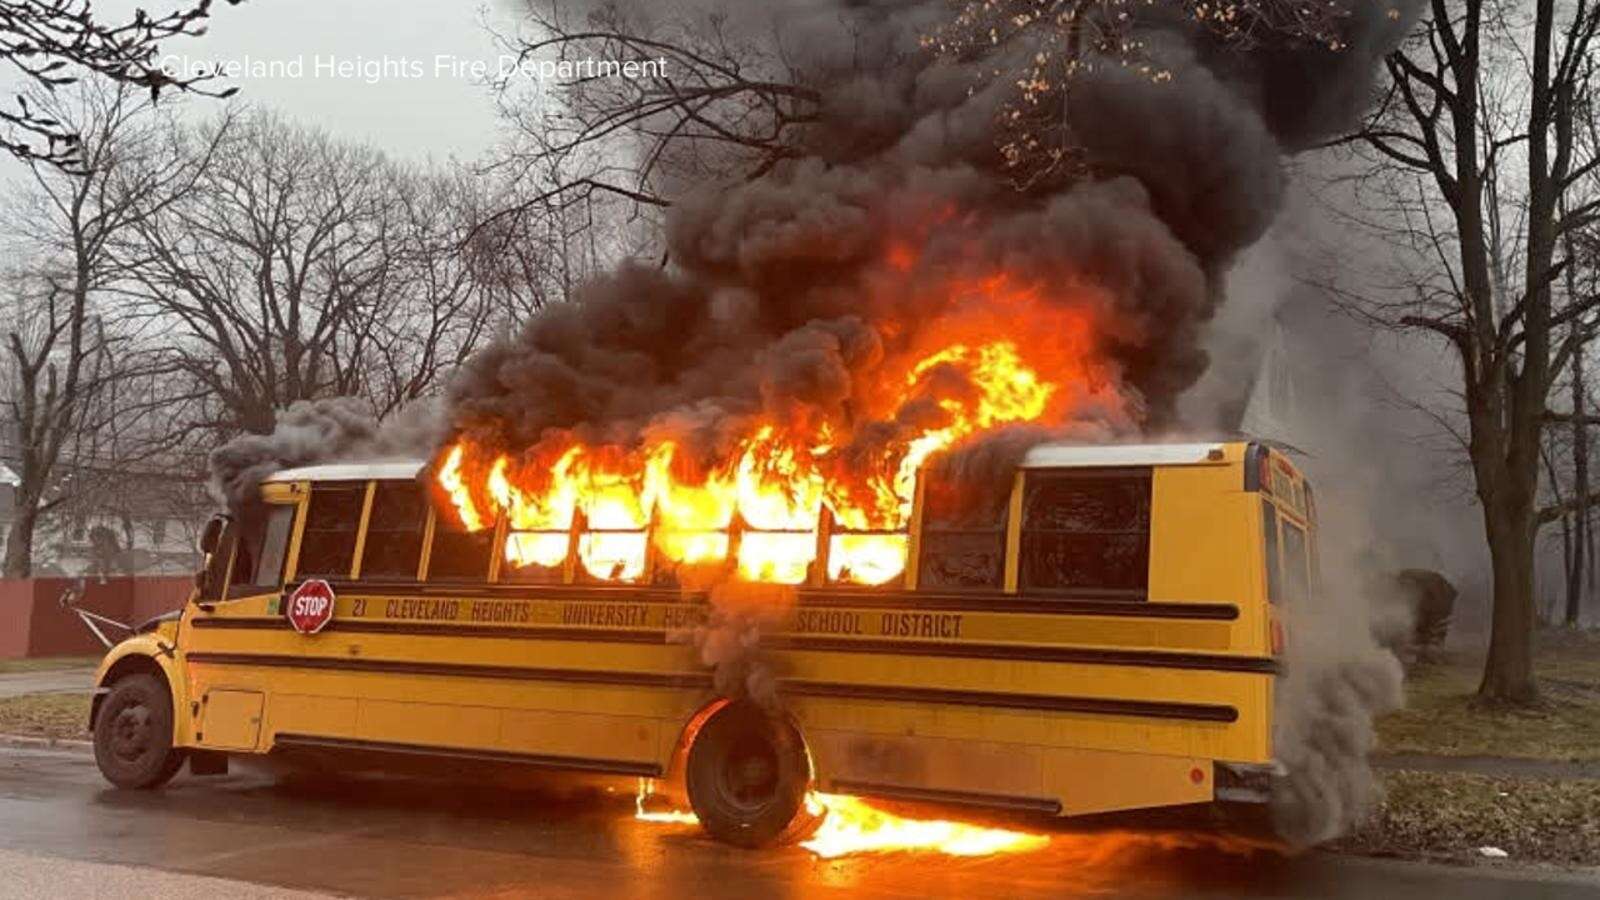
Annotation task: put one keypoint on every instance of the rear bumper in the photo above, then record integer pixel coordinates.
(1246, 783)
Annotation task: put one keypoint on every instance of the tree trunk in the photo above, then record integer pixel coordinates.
(1588, 554)
(1508, 673)
(1580, 491)
(1552, 479)
(19, 541)
(1566, 558)
(1575, 574)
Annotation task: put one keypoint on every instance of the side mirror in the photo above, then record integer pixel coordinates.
(211, 535)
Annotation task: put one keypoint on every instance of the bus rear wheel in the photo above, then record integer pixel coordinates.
(747, 777)
(133, 734)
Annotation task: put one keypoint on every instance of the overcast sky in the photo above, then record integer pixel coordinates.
(426, 110)
(437, 113)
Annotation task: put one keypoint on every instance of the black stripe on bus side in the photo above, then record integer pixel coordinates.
(1042, 702)
(1012, 603)
(1215, 662)
(579, 763)
(1146, 709)
(1087, 604)
(400, 667)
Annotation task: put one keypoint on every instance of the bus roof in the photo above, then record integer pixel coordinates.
(401, 469)
(1055, 456)
(1044, 456)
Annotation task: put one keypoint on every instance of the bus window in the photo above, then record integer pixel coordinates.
(459, 554)
(328, 545)
(394, 531)
(1296, 563)
(263, 540)
(963, 537)
(536, 556)
(1086, 530)
(1269, 528)
(216, 579)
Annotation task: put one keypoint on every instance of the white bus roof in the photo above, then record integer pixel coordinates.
(353, 471)
(1044, 456)
(1051, 456)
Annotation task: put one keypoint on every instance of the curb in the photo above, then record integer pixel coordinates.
(36, 742)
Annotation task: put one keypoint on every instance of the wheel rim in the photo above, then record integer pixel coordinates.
(748, 776)
(131, 733)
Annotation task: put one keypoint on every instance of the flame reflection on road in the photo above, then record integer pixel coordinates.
(850, 825)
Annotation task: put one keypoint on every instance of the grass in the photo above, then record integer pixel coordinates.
(1441, 716)
(1451, 815)
(45, 715)
(46, 663)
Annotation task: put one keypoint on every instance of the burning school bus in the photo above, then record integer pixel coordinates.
(1101, 636)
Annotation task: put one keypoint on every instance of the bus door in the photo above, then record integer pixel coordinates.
(228, 713)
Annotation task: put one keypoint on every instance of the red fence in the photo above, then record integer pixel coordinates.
(32, 623)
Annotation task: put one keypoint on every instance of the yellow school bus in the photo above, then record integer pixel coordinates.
(1104, 637)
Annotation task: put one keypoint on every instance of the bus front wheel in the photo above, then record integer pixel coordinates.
(747, 777)
(133, 734)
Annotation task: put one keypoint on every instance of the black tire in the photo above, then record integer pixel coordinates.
(133, 734)
(747, 777)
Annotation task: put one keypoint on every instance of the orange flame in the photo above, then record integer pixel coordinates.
(451, 479)
(764, 505)
(850, 825)
(665, 817)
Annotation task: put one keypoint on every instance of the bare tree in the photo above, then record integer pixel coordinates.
(51, 42)
(58, 356)
(279, 253)
(1474, 141)
(1580, 280)
(301, 267)
(67, 344)
(1580, 561)
(721, 104)
(1066, 38)
(544, 253)
(437, 310)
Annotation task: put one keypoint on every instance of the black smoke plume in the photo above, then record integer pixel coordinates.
(778, 286)
(787, 293)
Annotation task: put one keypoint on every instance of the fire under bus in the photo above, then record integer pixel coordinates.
(1104, 636)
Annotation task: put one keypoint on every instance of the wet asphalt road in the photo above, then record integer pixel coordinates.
(412, 838)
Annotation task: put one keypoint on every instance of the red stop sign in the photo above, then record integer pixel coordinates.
(311, 606)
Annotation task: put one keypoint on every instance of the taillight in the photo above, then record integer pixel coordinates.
(1277, 637)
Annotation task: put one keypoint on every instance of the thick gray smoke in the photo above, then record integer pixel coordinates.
(1327, 384)
(1338, 678)
(729, 641)
(317, 431)
(1339, 674)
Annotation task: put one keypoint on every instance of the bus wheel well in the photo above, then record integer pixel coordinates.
(686, 736)
(747, 776)
(132, 664)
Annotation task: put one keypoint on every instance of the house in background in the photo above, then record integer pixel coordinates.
(128, 523)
